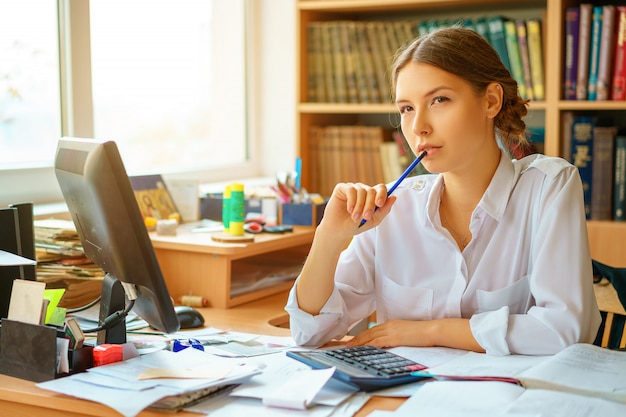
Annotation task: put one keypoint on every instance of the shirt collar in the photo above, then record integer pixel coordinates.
(496, 196)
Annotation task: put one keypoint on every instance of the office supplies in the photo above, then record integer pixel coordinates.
(298, 174)
(367, 367)
(184, 344)
(400, 179)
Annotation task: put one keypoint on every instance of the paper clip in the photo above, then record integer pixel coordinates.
(184, 344)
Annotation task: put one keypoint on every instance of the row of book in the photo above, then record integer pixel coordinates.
(367, 154)
(598, 149)
(348, 61)
(595, 53)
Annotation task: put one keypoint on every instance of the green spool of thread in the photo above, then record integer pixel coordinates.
(237, 209)
(226, 209)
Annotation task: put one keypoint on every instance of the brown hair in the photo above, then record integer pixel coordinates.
(466, 54)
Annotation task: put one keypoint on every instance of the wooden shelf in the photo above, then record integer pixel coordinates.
(195, 264)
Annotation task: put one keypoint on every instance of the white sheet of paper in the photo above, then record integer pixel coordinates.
(11, 259)
(480, 364)
(298, 391)
(26, 301)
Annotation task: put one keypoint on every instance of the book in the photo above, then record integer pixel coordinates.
(607, 49)
(480, 26)
(512, 47)
(338, 59)
(618, 91)
(378, 61)
(315, 57)
(602, 172)
(495, 26)
(594, 52)
(535, 53)
(367, 62)
(522, 39)
(581, 373)
(327, 62)
(583, 369)
(572, 23)
(348, 52)
(582, 154)
(567, 118)
(619, 179)
(584, 43)
(391, 162)
(153, 196)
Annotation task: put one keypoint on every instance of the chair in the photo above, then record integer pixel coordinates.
(612, 332)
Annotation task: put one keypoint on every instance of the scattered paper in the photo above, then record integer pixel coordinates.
(11, 259)
(184, 373)
(26, 301)
(299, 390)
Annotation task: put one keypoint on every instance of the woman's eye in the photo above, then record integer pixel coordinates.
(405, 109)
(440, 99)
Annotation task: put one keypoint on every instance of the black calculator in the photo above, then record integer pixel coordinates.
(366, 367)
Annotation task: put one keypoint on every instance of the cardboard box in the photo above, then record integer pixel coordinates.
(309, 214)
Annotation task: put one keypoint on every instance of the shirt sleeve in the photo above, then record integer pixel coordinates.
(352, 298)
(560, 271)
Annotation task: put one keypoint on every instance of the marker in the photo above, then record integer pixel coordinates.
(298, 173)
(400, 179)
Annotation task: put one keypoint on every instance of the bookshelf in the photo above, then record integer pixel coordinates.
(607, 238)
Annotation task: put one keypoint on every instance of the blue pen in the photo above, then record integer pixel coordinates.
(298, 173)
(400, 179)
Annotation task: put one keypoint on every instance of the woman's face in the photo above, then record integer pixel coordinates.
(441, 113)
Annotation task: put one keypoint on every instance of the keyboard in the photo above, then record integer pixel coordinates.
(366, 367)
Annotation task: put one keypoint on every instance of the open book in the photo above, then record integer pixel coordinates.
(582, 369)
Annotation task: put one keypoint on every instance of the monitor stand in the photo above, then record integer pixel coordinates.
(113, 300)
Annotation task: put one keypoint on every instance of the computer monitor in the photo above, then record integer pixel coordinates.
(104, 209)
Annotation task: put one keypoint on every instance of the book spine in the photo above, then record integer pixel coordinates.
(607, 48)
(365, 50)
(584, 42)
(348, 49)
(618, 91)
(512, 48)
(522, 39)
(535, 53)
(603, 172)
(362, 88)
(329, 73)
(495, 25)
(619, 191)
(572, 22)
(594, 52)
(480, 25)
(378, 61)
(582, 155)
(339, 69)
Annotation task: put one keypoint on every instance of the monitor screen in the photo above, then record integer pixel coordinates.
(104, 209)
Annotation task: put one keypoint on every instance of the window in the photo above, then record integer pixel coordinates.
(147, 79)
(30, 104)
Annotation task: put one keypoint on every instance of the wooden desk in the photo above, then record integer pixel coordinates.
(21, 398)
(195, 264)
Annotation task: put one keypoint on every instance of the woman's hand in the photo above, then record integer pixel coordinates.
(350, 203)
(449, 332)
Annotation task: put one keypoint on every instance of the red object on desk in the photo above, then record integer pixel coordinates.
(107, 353)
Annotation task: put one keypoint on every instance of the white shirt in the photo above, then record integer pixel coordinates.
(524, 280)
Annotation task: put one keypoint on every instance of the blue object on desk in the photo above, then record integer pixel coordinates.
(184, 344)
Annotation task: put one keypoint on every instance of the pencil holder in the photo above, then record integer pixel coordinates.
(302, 214)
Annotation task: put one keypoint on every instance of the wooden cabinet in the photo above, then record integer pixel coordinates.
(229, 274)
(608, 239)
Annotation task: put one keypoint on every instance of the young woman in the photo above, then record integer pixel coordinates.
(486, 254)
